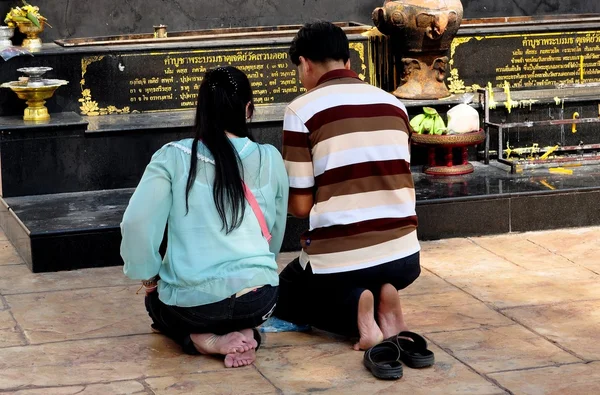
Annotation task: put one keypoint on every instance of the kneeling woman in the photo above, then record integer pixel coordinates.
(223, 197)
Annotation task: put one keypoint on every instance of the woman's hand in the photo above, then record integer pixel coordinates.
(150, 290)
(150, 285)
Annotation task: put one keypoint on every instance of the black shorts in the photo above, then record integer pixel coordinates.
(229, 315)
(330, 301)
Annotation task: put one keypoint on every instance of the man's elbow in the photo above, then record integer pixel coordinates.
(299, 212)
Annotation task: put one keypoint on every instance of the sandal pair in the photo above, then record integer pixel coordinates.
(384, 359)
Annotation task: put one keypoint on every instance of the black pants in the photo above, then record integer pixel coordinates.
(229, 315)
(330, 301)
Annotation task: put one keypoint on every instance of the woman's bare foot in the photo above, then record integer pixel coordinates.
(231, 343)
(238, 360)
(389, 312)
(249, 333)
(370, 334)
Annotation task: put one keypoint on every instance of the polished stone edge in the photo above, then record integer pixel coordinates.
(76, 251)
(53, 49)
(548, 212)
(509, 195)
(171, 119)
(70, 250)
(15, 123)
(464, 219)
(526, 30)
(16, 232)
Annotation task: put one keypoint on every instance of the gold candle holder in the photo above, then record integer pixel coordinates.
(160, 31)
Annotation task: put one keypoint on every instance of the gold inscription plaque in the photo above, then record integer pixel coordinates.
(524, 60)
(169, 80)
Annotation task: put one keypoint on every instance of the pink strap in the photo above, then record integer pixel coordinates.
(258, 212)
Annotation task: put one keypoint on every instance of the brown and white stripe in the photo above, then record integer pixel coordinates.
(347, 143)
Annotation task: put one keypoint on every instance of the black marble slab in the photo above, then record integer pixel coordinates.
(16, 123)
(491, 182)
(108, 79)
(564, 210)
(171, 119)
(67, 159)
(75, 230)
(65, 213)
(463, 218)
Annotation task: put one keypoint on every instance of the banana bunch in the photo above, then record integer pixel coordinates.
(430, 122)
(25, 14)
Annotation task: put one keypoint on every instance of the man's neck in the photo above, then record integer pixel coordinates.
(323, 68)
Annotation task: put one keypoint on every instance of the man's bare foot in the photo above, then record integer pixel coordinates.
(389, 312)
(370, 334)
(231, 343)
(238, 360)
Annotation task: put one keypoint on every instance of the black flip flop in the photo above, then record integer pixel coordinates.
(414, 352)
(383, 361)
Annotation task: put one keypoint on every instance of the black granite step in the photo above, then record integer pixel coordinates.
(79, 230)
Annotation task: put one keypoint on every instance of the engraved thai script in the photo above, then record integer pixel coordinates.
(163, 97)
(157, 89)
(177, 62)
(538, 42)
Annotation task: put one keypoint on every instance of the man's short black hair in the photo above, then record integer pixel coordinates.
(320, 41)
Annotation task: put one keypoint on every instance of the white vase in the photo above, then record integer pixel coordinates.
(6, 34)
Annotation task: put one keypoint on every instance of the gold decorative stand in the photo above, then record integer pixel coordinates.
(35, 91)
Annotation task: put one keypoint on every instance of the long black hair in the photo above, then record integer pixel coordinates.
(222, 100)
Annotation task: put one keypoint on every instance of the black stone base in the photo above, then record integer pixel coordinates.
(81, 230)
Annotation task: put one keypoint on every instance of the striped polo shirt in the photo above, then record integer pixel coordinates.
(347, 143)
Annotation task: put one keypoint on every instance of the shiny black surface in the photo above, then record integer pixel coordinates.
(98, 210)
(492, 182)
(76, 230)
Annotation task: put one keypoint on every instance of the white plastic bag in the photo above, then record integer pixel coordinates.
(463, 119)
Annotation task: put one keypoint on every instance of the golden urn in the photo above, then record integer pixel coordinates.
(32, 42)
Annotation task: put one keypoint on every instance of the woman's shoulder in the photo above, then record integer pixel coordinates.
(184, 145)
(271, 150)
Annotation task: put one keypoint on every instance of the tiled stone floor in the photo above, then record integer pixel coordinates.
(510, 314)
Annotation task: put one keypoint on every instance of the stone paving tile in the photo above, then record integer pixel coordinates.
(8, 253)
(98, 360)
(440, 257)
(574, 326)
(118, 388)
(503, 348)
(245, 380)
(577, 379)
(582, 246)
(311, 337)
(80, 314)
(522, 252)
(10, 335)
(449, 311)
(336, 369)
(518, 288)
(19, 279)
(427, 283)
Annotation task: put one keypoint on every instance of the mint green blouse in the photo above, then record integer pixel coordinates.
(202, 264)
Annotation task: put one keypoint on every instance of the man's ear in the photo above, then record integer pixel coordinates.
(306, 64)
(347, 65)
